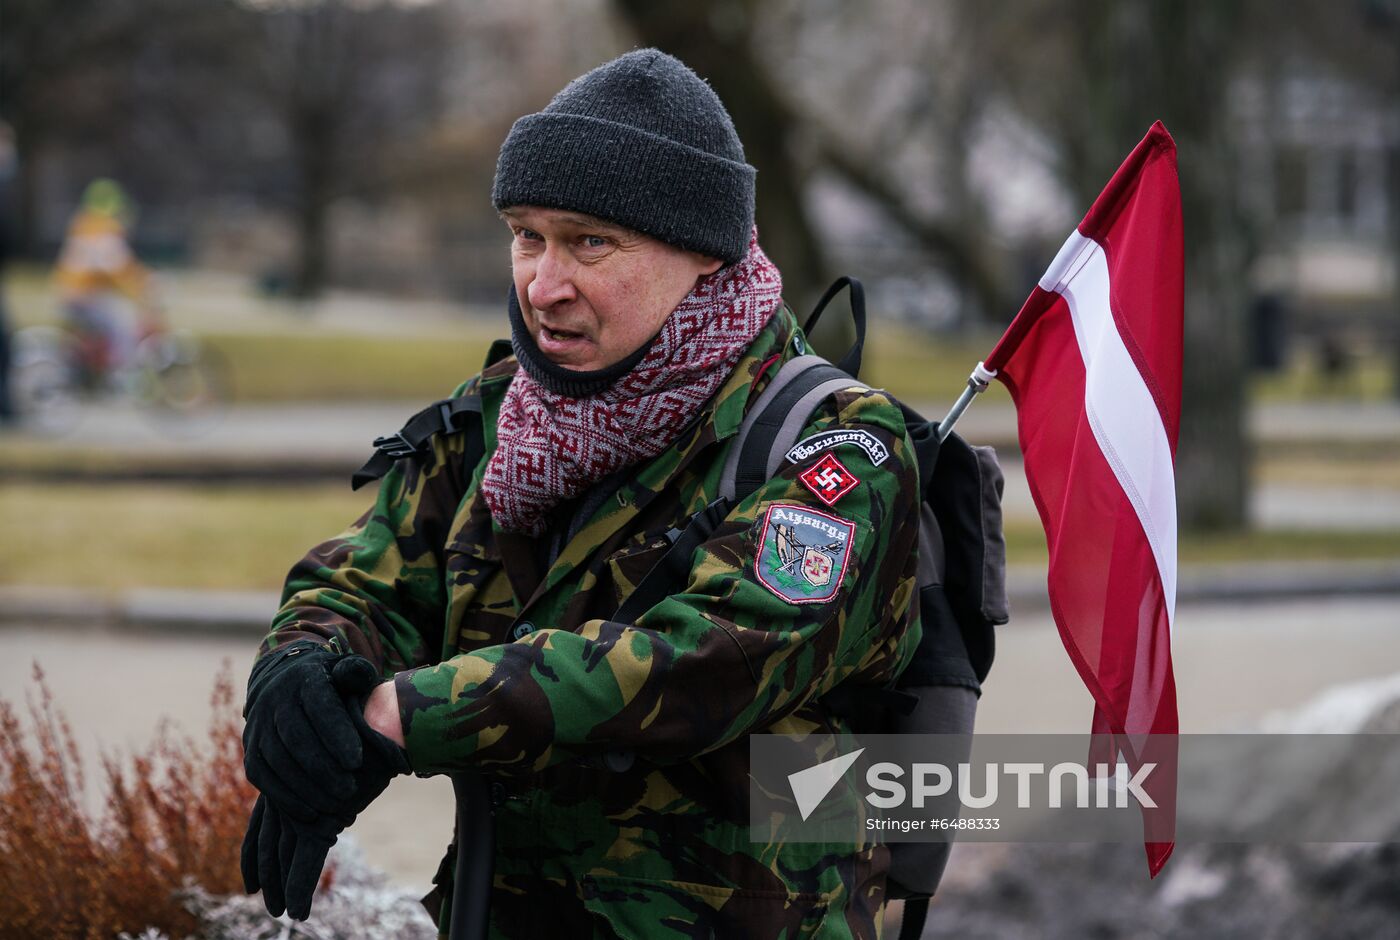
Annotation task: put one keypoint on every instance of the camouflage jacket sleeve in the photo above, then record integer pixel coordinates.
(745, 643)
(377, 588)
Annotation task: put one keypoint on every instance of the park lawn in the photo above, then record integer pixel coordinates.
(330, 367)
(338, 367)
(117, 536)
(1369, 467)
(925, 369)
(916, 366)
(1372, 379)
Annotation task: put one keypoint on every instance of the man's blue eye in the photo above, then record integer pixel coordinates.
(594, 241)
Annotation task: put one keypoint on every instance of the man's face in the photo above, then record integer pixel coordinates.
(592, 292)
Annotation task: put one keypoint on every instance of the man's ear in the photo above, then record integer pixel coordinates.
(709, 266)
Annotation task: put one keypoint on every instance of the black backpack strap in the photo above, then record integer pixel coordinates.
(849, 363)
(673, 570)
(416, 435)
(915, 913)
(773, 424)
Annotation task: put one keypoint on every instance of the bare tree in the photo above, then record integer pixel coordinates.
(61, 74)
(892, 95)
(797, 79)
(717, 40)
(346, 84)
(1100, 73)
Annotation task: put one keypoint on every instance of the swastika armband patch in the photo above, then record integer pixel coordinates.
(829, 479)
(803, 553)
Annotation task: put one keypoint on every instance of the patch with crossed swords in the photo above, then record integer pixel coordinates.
(803, 553)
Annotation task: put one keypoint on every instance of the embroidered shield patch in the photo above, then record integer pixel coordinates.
(803, 553)
(829, 479)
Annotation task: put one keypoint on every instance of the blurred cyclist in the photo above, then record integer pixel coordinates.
(105, 291)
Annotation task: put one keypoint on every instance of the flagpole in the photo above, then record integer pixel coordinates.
(977, 383)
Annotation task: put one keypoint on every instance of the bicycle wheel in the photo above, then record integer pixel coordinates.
(43, 382)
(184, 383)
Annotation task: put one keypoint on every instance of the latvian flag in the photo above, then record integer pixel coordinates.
(1093, 363)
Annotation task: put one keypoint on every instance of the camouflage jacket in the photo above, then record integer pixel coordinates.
(506, 661)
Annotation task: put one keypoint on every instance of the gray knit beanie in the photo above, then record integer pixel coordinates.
(641, 141)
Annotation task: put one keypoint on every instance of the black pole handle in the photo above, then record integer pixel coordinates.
(476, 858)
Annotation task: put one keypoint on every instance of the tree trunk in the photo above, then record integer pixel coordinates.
(313, 133)
(961, 241)
(26, 196)
(1213, 452)
(715, 40)
(312, 267)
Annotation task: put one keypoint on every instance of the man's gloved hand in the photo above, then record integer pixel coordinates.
(300, 747)
(283, 856)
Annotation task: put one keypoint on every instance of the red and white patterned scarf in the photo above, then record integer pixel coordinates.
(551, 447)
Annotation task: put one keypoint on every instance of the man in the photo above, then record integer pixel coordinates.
(464, 623)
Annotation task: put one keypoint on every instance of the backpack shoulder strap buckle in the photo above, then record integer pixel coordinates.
(395, 446)
(414, 437)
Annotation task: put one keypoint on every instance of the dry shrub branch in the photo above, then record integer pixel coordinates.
(173, 817)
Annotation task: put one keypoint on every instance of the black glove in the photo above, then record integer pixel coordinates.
(283, 856)
(299, 745)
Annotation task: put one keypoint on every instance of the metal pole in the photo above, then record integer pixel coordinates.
(976, 384)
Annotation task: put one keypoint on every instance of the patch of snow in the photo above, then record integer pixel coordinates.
(1345, 709)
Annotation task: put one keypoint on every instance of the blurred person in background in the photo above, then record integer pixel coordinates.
(468, 622)
(105, 291)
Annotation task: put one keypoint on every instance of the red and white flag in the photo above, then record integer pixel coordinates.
(1093, 363)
